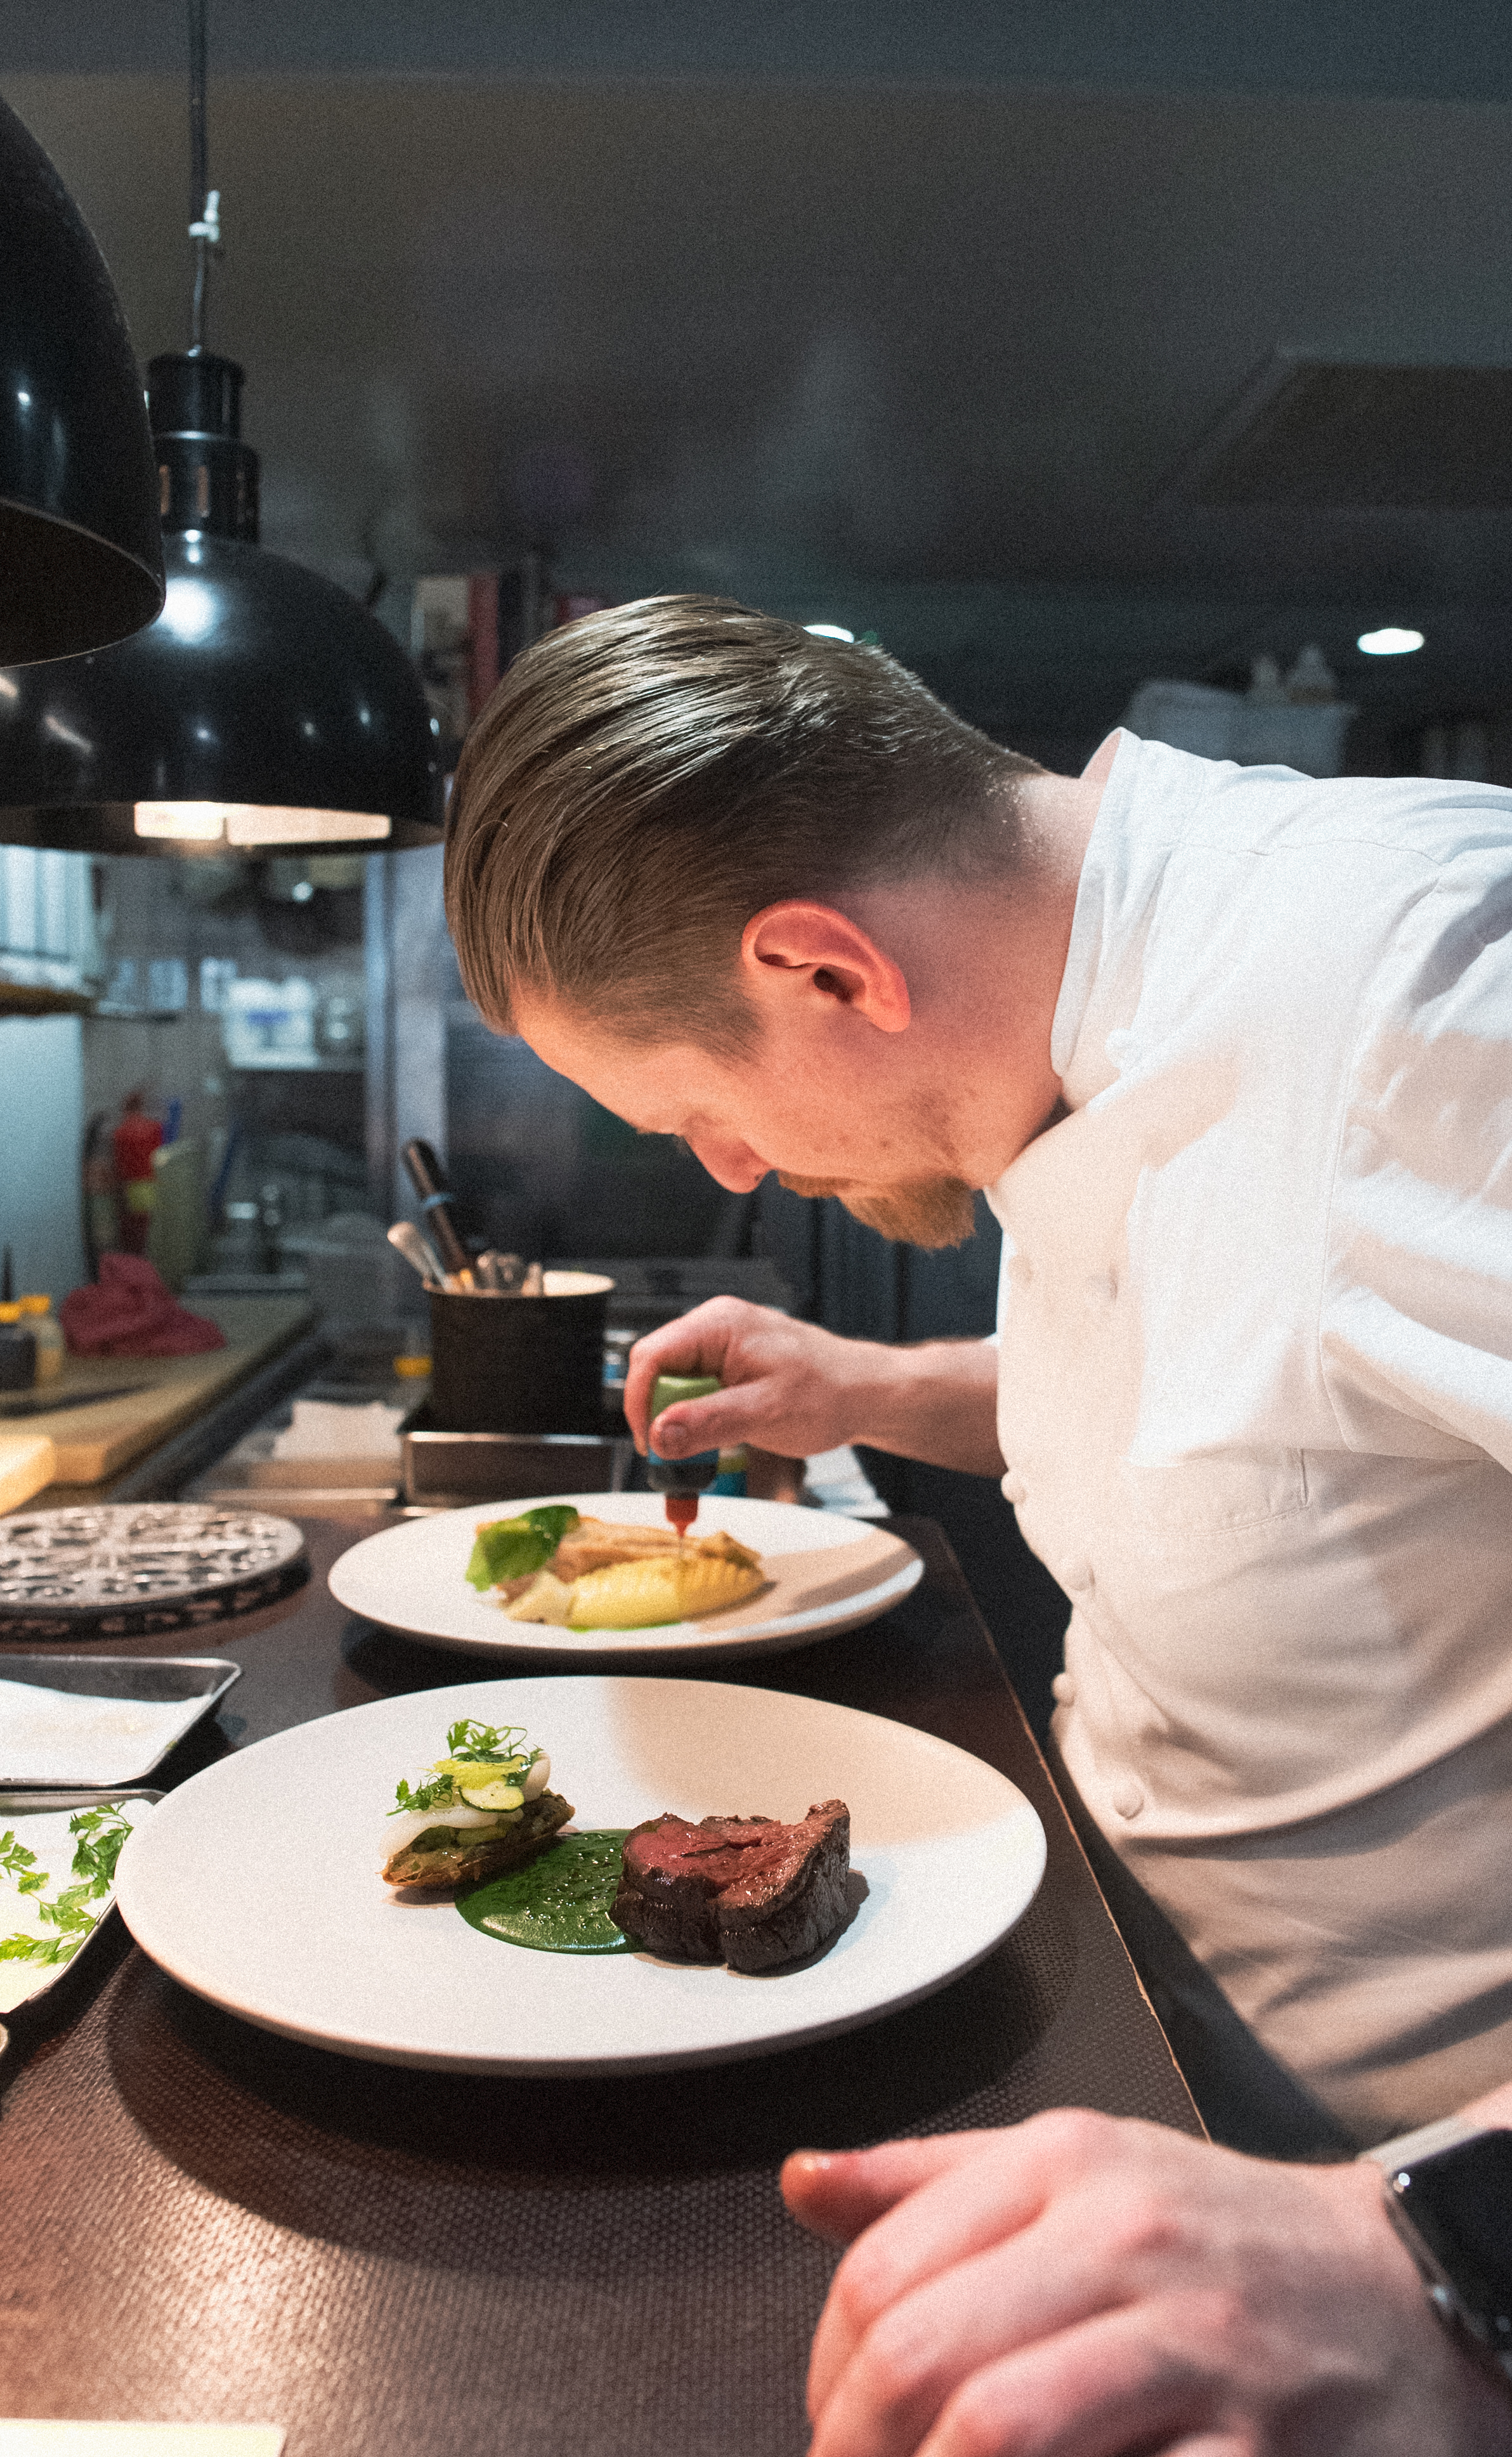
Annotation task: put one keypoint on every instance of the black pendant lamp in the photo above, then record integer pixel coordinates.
(265, 709)
(80, 558)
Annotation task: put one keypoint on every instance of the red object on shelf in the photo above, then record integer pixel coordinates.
(131, 1312)
(133, 1145)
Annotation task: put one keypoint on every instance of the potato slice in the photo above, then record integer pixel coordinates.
(632, 1595)
(545, 1599)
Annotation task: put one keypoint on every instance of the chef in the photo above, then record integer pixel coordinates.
(1229, 1051)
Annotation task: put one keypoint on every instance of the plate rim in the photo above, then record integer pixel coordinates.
(549, 2068)
(666, 1639)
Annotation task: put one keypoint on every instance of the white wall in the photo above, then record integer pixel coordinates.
(41, 1125)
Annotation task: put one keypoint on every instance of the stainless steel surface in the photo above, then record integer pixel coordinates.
(444, 1470)
(155, 1679)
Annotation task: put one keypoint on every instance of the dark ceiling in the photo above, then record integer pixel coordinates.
(903, 315)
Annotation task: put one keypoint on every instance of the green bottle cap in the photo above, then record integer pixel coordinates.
(669, 1388)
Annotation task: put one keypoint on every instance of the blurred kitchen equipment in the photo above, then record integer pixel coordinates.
(48, 1332)
(175, 1224)
(428, 1179)
(503, 1273)
(406, 1240)
(521, 1369)
(18, 1350)
(118, 1569)
(445, 1470)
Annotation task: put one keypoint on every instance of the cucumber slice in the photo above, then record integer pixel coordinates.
(497, 1792)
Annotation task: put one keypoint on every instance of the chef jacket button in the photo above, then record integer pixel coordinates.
(1064, 1688)
(1101, 1289)
(1127, 1797)
(1014, 1488)
(1077, 1576)
(1021, 1272)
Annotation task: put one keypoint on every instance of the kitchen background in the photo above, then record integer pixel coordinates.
(1071, 351)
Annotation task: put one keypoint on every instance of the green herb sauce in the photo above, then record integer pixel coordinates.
(560, 1902)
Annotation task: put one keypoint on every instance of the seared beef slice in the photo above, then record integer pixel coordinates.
(744, 1890)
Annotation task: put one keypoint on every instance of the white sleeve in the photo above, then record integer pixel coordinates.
(1416, 1308)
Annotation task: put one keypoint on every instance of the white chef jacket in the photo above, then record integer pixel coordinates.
(1255, 1398)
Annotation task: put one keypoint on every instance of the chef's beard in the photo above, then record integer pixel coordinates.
(916, 1211)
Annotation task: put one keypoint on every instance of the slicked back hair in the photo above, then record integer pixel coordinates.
(643, 780)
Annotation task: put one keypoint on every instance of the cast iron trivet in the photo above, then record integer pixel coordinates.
(125, 1571)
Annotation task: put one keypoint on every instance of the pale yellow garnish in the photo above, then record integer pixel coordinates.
(547, 1598)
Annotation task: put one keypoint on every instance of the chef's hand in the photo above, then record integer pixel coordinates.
(789, 1386)
(1078, 2286)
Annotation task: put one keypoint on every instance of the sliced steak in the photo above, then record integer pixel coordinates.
(745, 1891)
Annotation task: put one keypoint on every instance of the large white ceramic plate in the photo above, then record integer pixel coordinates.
(255, 1882)
(826, 1573)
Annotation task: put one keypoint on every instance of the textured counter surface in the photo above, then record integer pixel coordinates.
(203, 2223)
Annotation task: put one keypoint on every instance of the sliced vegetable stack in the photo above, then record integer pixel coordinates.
(483, 1808)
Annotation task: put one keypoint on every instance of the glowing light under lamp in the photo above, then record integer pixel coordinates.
(244, 824)
(1389, 642)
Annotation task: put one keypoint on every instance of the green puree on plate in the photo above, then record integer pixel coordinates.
(559, 1903)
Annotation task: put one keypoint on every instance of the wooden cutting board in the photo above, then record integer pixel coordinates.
(96, 1442)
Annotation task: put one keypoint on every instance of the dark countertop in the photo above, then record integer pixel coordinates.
(204, 2222)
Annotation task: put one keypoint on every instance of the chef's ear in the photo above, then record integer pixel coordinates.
(811, 952)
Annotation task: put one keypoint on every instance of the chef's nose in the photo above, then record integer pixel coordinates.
(732, 1163)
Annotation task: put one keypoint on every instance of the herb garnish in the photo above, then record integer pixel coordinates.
(100, 1833)
(467, 1744)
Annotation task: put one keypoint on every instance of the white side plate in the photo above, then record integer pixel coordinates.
(826, 1573)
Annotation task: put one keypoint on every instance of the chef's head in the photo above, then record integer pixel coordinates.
(682, 842)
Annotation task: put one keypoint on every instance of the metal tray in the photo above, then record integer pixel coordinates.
(446, 1471)
(154, 1679)
(14, 1804)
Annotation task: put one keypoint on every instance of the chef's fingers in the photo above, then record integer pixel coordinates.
(1110, 2385)
(1016, 2305)
(699, 1342)
(999, 2188)
(836, 2193)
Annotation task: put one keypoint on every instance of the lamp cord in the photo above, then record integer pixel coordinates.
(204, 202)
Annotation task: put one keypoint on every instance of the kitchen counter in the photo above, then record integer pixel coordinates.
(205, 2223)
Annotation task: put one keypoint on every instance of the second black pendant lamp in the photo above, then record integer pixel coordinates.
(264, 708)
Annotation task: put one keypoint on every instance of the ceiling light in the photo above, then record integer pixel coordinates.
(264, 707)
(1390, 642)
(829, 630)
(80, 558)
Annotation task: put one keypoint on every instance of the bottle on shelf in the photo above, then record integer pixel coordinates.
(51, 1348)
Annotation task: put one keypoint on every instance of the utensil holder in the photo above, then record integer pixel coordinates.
(521, 1365)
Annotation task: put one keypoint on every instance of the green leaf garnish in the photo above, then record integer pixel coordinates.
(516, 1548)
(99, 1833)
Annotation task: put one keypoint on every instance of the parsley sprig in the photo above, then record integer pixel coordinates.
(99, 1833)
(470, 1743)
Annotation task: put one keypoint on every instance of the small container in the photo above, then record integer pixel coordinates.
(696, 1473)
(39, 1318)
(18, 1351)
(519, 1364)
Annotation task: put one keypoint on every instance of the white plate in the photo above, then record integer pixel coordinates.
(826, 1573)
(256, 1881)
